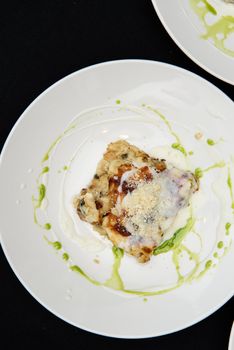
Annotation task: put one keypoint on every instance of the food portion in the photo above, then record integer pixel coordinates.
(134, 198)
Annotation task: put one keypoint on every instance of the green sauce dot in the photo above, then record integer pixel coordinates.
(198, 173)
(42, 193)
(76, 268)
(190, 153)
(46, 157)
(57, 245)
(216, 255)
(118, 102)
(220, 245)
(145, 300)
(45, 170)
(65, 256)
(175, 145)
(227, 227)
(210, 142)
(47, 226)
(208, 264)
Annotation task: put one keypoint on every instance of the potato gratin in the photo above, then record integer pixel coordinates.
(134, 198)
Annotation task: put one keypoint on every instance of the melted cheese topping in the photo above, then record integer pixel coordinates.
(141, 206)
(152, 206)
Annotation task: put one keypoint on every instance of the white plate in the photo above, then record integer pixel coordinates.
(89, 97)
(186, 29)
(231, 339)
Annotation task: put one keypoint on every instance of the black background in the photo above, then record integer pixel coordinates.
(40, 43)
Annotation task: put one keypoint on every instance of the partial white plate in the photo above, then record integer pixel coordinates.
(231, 339)
(192, 105)
(184, 27)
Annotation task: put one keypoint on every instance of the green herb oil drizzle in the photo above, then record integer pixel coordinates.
(77, 269)
(176, 239)
(199, 172)
(56, 244)
(229, 183)
(115, 281)
(207, 267)
(55, 143)
(37, 202)
(224, 25)
(176, 145)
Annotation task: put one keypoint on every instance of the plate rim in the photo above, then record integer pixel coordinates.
(184, 50)
(2, 155)
(231, 338)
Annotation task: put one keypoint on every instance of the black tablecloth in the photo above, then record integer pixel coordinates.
(40, 43)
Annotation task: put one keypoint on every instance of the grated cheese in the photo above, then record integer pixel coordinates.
(152, 206)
